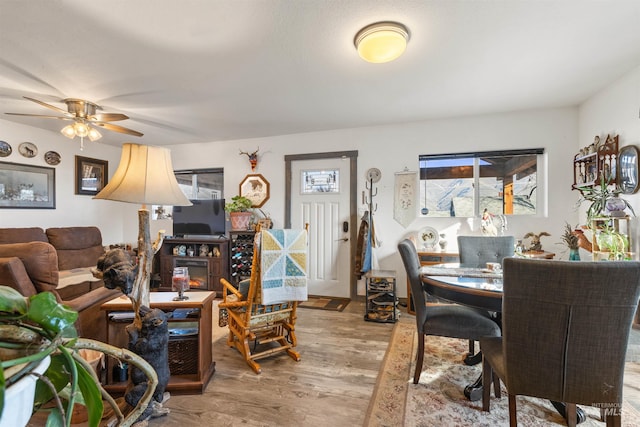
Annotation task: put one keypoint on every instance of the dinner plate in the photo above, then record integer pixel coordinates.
(429, 237)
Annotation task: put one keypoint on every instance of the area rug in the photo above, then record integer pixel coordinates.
(325, 303)
(438, 399)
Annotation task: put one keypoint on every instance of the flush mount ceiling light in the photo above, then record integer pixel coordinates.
(382, 41)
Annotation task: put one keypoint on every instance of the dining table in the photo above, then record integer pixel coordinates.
(478, 287)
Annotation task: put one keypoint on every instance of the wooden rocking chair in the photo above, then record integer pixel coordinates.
(259, 330)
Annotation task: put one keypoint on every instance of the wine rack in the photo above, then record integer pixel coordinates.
(240, 255)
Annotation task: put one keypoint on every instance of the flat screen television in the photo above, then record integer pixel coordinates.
(203, 218)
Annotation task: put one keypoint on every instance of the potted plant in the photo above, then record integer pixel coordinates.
(611, 245)
(603, 197)
(571, 240)
(239, 213)
(38, 328)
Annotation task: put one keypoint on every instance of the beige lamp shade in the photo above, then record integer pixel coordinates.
(381, 42)
(144, 176)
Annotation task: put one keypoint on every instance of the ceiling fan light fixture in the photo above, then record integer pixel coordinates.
(94, 135)
(381, 42)
(81, 129)
(68, 131)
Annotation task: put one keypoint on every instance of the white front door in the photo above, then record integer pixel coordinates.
(326, 211)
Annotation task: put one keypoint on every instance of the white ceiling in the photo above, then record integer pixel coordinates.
(210, 70)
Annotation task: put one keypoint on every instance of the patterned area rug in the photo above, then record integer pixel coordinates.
(325, 303)
(438, 399)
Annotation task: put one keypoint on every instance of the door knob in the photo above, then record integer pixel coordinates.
(344, 239)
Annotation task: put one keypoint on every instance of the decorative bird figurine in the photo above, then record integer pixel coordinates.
(534, 244)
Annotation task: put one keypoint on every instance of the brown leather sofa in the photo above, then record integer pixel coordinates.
(58, 260)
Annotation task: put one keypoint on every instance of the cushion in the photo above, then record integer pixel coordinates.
(22, 235)
(40, 261)
(76, 246)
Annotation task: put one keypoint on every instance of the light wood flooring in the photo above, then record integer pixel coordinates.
(330, 386)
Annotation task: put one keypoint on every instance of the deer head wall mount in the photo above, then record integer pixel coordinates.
(253, 158)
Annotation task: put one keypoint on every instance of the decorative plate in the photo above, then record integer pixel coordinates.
(374, 174)
(28, 149)
(429, 237)
(52, 158)
(5, 149)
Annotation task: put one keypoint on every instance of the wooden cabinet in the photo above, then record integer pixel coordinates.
(593, 164)
(430, 258)
(207, 260)
(190, 327)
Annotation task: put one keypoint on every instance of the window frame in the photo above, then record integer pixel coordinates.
(541, 176)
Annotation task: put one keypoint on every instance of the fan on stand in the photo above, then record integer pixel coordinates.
(85, 119)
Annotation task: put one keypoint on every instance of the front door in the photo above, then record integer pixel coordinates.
(320, 195)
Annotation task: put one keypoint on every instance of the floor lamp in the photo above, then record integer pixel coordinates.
(145, 176)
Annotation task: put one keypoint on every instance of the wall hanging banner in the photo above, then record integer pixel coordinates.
(404, 203)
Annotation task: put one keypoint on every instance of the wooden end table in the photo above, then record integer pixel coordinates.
(190, 326)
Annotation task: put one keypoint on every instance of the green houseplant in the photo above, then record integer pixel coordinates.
(598, 195)
(34, 328)
(239, 213)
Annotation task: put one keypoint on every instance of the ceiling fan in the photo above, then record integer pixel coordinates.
(85, 119)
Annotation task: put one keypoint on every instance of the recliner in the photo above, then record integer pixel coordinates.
(446, 320)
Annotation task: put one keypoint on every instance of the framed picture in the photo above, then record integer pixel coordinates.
(255, 188)
(27, 187)
(91, 175)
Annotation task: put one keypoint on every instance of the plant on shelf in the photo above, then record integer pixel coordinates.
(239, 213)
(38, 328)
(600, 196)
(612, 244)
(238, 204)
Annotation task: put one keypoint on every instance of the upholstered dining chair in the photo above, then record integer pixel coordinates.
(477, 251)
(445, 320)
(565, 326)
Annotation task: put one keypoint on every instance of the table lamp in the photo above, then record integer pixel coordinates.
(144, 176)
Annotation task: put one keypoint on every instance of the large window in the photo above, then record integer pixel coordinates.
(467, 184)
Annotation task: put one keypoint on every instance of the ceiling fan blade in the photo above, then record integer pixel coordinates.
(108, 117)
(40, 115)
(117, 128)
(52, 107)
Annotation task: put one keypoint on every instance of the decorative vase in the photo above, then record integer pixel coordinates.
(574, 254)
(240, 220)
(443, 242)
(616, 206)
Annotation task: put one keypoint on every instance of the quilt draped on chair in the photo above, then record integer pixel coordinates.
(283, 261)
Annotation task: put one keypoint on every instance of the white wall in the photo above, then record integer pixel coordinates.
(71, 210)
(615, 110)
(392, 148)
(389, 148)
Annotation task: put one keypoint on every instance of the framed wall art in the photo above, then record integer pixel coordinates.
(255, 188)
(27, 186)
(91, 175)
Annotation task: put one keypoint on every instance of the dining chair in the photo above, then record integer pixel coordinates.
(565, 326)
(445, 320)
(477, 251)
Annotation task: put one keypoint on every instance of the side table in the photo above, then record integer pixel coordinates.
(190, 328)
